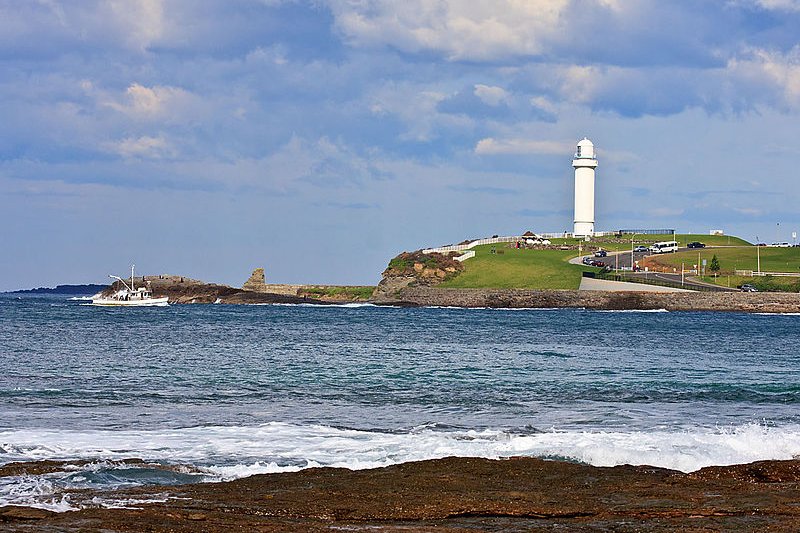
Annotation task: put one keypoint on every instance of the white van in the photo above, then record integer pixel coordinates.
(664, 247)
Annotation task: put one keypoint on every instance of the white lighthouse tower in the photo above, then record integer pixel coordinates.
(584, 164)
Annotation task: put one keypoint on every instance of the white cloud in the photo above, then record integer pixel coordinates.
(492, 96)
(154, 102)
(142, 21)
(774, 72)
(778, 5)
(474, 30)
(417, 109)
(145, 147)
(491, 146)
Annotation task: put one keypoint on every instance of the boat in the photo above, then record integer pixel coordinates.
(129, 295)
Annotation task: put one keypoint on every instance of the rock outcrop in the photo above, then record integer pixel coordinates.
(257, 282)
(415, 269)
(452, 494)
(752, 302)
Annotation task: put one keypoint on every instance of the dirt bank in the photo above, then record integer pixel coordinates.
(458, 494)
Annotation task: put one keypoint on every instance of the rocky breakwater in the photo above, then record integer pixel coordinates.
(416, 295)
(414, 270)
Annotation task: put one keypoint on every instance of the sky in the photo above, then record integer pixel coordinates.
(320, 138)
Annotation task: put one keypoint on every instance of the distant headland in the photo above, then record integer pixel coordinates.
(85, 289)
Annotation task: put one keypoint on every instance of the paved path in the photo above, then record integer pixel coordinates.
(590, 284)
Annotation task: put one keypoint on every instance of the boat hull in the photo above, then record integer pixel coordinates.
(150, 302)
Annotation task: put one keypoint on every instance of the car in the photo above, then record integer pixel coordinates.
(587, 260)
(600, 253)
(640, 249)
(780, 245)
(747, 287)
(598, 264)
(696, 244)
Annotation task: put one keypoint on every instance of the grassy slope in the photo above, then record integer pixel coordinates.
(612, 243)
(549, 269)
(524, 269)
(739, 258)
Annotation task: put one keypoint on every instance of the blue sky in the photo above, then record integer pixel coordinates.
(320, 138)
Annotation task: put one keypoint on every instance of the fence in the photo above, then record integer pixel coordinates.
(472, 244)
(465, 256)
(610, 276)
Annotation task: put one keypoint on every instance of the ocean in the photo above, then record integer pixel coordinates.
(217, 392)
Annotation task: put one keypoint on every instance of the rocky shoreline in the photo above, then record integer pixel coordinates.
(763, 302)
(453, 494)
(407, 292)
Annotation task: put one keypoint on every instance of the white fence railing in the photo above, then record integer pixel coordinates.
(469, 245)
(465, 256)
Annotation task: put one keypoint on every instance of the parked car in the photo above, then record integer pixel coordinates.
(781, 245)
(696, 244)
(747, 287)
(600, 253)
(639, 249)
(598, 264)
(587, 260)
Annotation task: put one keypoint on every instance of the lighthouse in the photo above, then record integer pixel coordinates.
(584, 164)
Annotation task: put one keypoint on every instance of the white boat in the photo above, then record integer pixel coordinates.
(130, 296)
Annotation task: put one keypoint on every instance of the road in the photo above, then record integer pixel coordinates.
(622, 261)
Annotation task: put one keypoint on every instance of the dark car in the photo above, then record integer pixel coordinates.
(641, 249)
(600, 253)
(598, 264)
(696, 244)
(747, 287)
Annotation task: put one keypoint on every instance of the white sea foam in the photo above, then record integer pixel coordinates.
(631, 311)
(276, 447)
(225, 453)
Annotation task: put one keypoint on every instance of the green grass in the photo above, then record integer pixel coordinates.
(522, 269)
(738, 258)
(762, 283)
(355, 293)
(612, 243)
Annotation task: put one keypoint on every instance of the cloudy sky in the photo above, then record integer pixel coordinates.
(319, 138)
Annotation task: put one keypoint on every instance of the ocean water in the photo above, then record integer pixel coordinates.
(216, 392)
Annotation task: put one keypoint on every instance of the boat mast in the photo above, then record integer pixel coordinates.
(132, 267)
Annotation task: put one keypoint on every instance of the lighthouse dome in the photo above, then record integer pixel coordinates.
(585, 149)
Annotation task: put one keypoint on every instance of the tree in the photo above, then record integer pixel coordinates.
(714, 267)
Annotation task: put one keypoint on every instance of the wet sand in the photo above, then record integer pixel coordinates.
(453, 494)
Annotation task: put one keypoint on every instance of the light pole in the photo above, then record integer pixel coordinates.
(758, 256)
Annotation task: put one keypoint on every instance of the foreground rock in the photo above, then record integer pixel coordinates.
(523, 298)
(458, 494)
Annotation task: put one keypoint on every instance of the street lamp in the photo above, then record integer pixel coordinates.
(758, 256)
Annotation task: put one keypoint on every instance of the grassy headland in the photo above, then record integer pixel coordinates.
(509, 268)
(503, 266)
